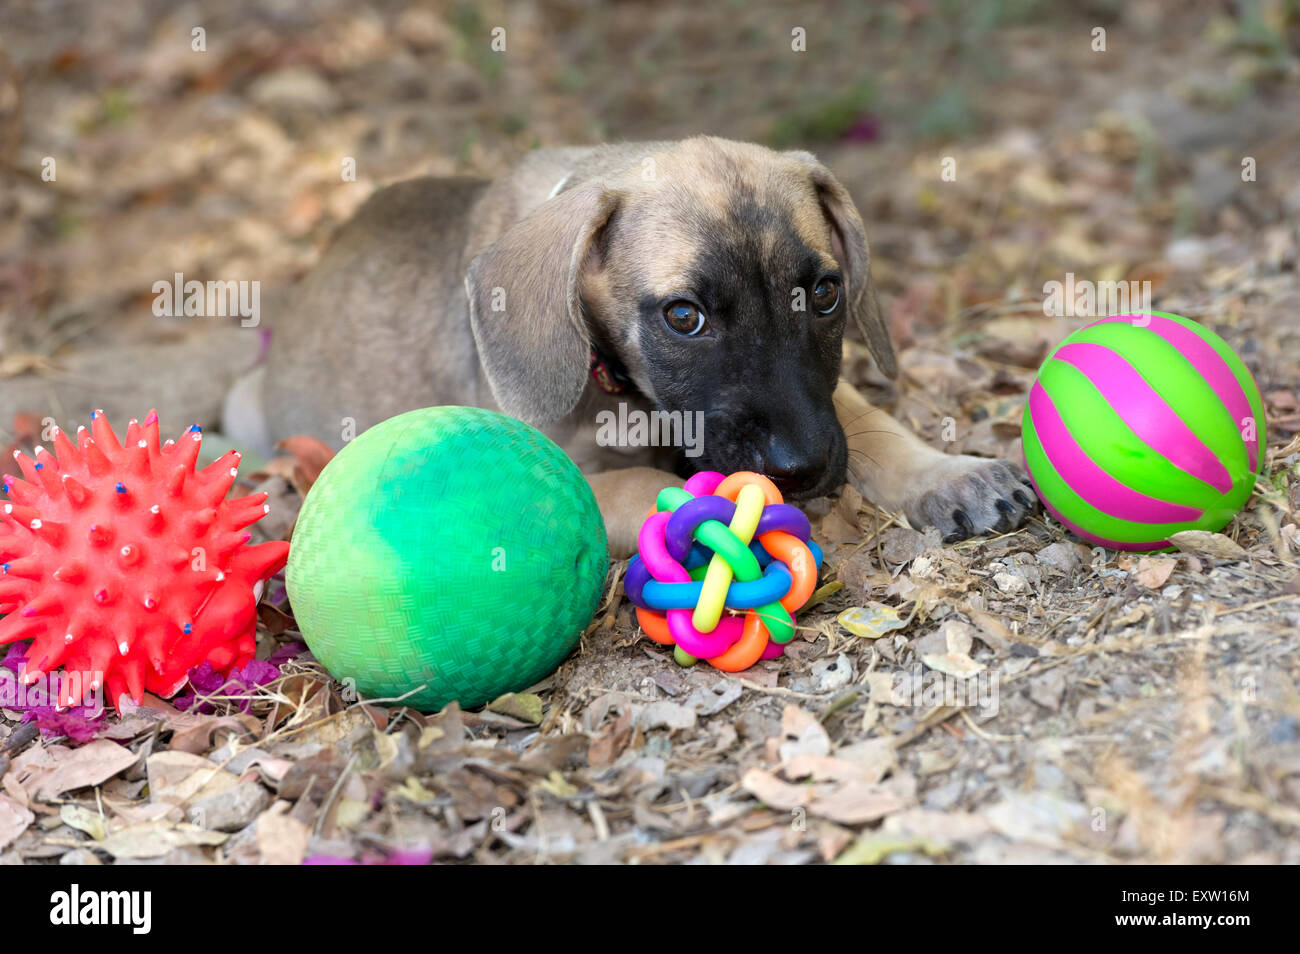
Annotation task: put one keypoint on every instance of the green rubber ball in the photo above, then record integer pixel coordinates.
(449, 553)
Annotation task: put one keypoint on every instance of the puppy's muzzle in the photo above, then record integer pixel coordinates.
(798, 467)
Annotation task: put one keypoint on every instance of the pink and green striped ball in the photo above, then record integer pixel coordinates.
(1140, 426)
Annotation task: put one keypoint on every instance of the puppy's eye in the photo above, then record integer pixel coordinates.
(826, 295)
(684, 318)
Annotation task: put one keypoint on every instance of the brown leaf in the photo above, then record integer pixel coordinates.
(850, 803)
(1214, 545)
(1153, 571)
(178, 777)
(309, 458)
(281, 838)
(14, 819)
(66, 770)
(198, 738)
(156, 838)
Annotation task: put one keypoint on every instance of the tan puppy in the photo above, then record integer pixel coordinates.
(705, 279)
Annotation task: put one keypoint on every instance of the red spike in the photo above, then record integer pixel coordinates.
(64, 448)
(13, 590)
(248, 510)
(155, 523)
(22, 516)
(133, 672)
(47, 604)
(153, 645)
(47, 471)
(201, 522)
(103, 432)
(149, 430)
(219, 476)
(99, 535)
(49, 653)
(131, 554)
(118, 690)
(100, 655)
(51, 532)
(174, 482)
(28, 567)
(26, 465)
(132, 432)
(76, 491)
(138, 452)
(261, 561)
(186, 451)
(98, 464)
(70, 572)
(15, 627)
(20, 491)
(224, 544)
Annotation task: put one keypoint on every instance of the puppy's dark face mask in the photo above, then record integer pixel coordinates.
(751, 341)
(735, 309)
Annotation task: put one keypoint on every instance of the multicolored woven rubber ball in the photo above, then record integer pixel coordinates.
(717, 544)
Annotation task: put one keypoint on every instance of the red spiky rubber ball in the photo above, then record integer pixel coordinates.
(125, 565)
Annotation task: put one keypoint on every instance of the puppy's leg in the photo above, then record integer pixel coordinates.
(895, 469)
(624, 497)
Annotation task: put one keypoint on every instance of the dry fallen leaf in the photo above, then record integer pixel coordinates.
(524, 706)
(874, 846)
(1153, 571)
(178, 777)
(1214, 545)
(281, 838)
(14, 819)
(871, 621)
(66, 770)
(850, 803)
(310, 456)
(801, 734)
(956, 661)
(83, 819)
(154, 839)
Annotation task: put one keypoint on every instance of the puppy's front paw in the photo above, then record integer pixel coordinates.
(964, 496)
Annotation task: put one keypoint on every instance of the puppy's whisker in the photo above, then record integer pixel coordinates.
(875, 463)
(863, 433)
(874, 410)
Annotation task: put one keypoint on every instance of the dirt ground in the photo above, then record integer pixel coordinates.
(1129, 709)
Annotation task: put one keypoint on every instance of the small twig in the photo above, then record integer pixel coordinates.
(18, 739)
(779, 691)
(1259, 605)
(334, 793)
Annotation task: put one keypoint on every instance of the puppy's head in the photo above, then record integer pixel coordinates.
(720, 274)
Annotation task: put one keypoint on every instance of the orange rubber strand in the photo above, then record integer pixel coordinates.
(795, 554)
(730, 488)
(654, 625)
(745, 651)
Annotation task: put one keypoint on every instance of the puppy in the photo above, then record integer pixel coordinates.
(705, 277)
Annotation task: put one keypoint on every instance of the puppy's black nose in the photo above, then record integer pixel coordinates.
(794, 470)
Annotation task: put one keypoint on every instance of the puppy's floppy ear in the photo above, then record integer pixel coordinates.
(849, 245)
(524, 305)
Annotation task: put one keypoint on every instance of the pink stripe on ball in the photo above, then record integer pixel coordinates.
(1145, 411)
(1212, 367)
(1087, 479)
(1092, 537)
